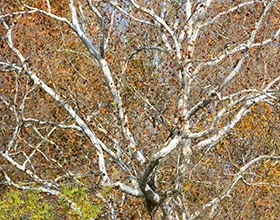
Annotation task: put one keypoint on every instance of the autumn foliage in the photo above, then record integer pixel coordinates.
(139, 109)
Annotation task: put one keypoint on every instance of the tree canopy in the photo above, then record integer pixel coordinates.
(139, 109)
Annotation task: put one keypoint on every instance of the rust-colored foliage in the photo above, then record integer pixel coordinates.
(190, 86)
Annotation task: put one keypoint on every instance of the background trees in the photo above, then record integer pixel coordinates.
(127, 109)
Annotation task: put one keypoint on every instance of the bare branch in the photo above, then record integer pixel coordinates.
(75, 127)
(102, 28)
(126, 189)
(49, 14)
(227, 191)
(67, 107)
(77, 28)
(169, 146)
(5, 155)
(17, 13)
(129, 15)
(161, 22)
(221, 14)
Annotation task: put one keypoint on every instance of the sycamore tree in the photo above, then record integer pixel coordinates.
(128, 109)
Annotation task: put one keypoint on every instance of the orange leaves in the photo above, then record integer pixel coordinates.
(255, 118)
(273, 172)
(150, 84)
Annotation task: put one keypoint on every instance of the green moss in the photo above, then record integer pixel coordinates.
(18, 204)
(15, 204)
(105, 191)
(79, 195)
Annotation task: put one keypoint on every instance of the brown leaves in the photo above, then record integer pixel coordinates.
(150, 84)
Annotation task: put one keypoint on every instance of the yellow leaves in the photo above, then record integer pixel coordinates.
(257, 121)
(275, 49)
(50, 82)
(187, 186)
(221, 147)
(273, 174)
(220, 7)
(207, 161)
(211, 41)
